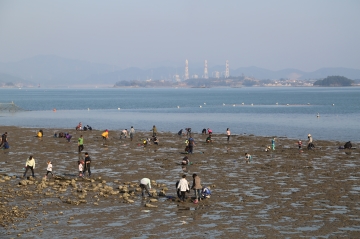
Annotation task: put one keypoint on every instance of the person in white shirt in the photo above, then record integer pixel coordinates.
(123, 133)
(30, 164)
(184, 187)
(49, 169)
(145, 185)
(132, 133)
(228, 133)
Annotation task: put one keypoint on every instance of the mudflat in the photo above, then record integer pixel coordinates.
(285, 193)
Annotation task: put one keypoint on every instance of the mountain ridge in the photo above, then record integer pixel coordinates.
(51, 70)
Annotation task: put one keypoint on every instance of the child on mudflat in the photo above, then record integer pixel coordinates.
(81, 168)
(49, 169)
(247, 158)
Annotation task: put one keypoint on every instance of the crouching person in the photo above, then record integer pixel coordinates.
(206, 192)
(145, 185)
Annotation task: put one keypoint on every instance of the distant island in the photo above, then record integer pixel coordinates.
(237, 82)
(58, 72)
(334, 81)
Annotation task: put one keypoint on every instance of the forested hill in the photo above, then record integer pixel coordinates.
(334, 81)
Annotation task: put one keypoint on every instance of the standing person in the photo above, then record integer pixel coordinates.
(273, 144)
(145, 185)
(196, 186)
(178, 192)
(228, 133)
(184, 187)
(247, 158)
(132, 133)
(188, 131)
(87, 164)
(3, 139)
(49, 169)
(81, 169)
(310, 142)
(30, 164)
(105, 135)
(80, 144)
(154, 130)
(68, 137)
(191, 145)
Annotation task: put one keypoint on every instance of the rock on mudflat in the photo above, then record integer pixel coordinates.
(150, 205)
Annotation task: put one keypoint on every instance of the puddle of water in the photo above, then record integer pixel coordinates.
(208, 225)
(313, 228)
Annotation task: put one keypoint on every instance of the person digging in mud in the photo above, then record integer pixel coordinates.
(105, 136)
(185, 161)
(30, 164)
(145, 185)
(247, 158)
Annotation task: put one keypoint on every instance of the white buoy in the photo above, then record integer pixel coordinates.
(308, 103)
(118, 108)
(234, 105)
(204, 103)
(223, 103)
(252, 104)
(200, 106)
(178, 107)
(88, 108)
(276, 103)
(242, 103)
(287, 104)
(333, 104)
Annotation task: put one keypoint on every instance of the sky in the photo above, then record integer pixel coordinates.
(305, 35)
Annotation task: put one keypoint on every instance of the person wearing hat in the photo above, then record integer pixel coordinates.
(310, 142)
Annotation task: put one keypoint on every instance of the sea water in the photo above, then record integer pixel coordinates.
(294, 112)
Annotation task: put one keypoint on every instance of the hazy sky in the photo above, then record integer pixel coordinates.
(306, 34)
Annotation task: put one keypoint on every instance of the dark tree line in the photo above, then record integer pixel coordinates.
(334, 81)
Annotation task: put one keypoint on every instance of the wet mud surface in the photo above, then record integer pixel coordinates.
(286, 193)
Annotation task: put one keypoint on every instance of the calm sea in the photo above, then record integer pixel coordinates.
(290, 112)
